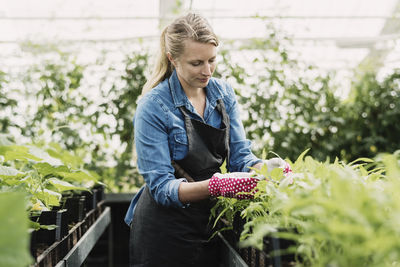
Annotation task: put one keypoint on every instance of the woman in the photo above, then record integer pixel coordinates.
(186, 126)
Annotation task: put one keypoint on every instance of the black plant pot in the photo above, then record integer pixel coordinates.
(274, 247)
(63, 224)
(90, 199)
(33, 242)
(272, 255)
(76, 208)
(52, 217)
(99, 192)
(238, 224)
(93, 197)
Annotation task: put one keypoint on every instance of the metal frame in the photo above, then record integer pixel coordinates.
(77, 255)
(230, 257)
(118, 197)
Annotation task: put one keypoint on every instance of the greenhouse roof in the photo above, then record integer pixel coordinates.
(331, 34)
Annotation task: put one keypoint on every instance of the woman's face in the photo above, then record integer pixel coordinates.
(195, 65)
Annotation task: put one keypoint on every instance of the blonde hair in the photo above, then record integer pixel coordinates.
(189, 27)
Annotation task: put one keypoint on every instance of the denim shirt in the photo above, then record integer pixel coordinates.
(160, 136)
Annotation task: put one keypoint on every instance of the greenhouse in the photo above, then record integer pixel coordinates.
(263, 133)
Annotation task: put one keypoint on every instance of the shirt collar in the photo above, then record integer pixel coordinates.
(179, 97)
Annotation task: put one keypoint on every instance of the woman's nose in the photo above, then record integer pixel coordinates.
(207, 69)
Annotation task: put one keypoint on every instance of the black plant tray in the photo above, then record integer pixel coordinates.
(74, 248)
(233, 256)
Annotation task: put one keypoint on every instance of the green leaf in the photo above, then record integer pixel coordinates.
(67, 158)
(263, 154)
(45, 168)
(368, 160)
(392, 167)
(277, 174)
(34, 225)
(16, 152)
(48, 227)
(49, 198)
(79, 176)
(263, 170)
(220, 215)
(10, 173)
(285, 182)
(44, 156)
(299, 160)
(219, 231)
(62, 186)
(14, 236)
(223, 167)
(260, 231)
(37, 226)
(363, 171)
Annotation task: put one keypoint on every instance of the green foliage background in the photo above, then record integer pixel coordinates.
(287, 105)
(14, 240)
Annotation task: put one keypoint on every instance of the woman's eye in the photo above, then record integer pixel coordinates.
(195, 64)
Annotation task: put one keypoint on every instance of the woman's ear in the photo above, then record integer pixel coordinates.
(169, 56)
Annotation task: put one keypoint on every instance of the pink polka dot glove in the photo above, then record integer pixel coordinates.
(287, 170)
(232, 184)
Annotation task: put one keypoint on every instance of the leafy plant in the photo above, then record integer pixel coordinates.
(337, 214)
(44, 173)
(92, 118)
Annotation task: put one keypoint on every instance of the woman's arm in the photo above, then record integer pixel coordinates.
(191, 192)
(153, 154)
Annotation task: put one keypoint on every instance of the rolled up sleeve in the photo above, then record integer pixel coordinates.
(153, 156)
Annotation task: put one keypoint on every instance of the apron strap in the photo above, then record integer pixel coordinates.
(225, 119)
(178, 169)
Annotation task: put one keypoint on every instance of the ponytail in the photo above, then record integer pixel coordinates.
(162, 68)
(191, 26)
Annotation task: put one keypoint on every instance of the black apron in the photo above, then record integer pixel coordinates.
(168, 236)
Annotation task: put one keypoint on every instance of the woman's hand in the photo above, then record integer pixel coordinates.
(232, 184)
(275, 163)
(278, 163)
